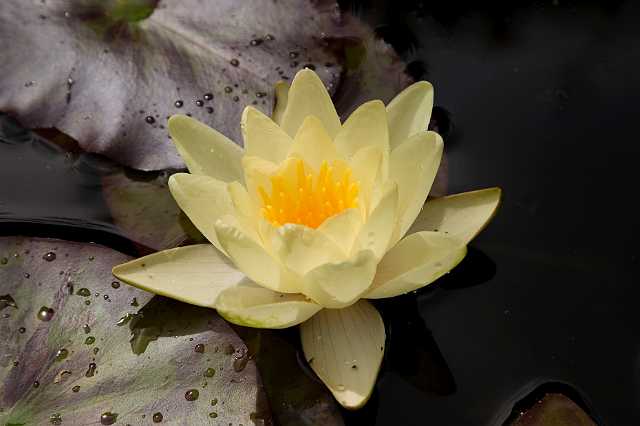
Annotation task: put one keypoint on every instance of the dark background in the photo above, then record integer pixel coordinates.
(541, 99)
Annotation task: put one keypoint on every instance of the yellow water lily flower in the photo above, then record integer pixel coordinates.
(312, 218)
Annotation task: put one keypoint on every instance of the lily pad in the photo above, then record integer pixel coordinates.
(554, 409)
(80, 348)
(108, 73)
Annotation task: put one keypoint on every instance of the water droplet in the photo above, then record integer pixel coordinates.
(134, 302)
(157, 417)
(207, 96)
(21, 330)
(213, 414)
(91, 370)
(55, 419)
(240, 361)
(149, 119)
(115, 284)
(84, 292)
(214, 401)
(191, 394)
(124, 320)
(261, 94)
(234, 62)
(61, 354)
(210, 110)
(27, 275)
(89, 340)
(178, 104)
(86, 328)
(96, 350)
(340, 387)
(236, 99)
(108, 418)
(45, 314)
(199, 102)
(49, 257)
(228, 89)
(87, 302)
(4, 261)
(210, 372)
(269, 37)
(293, 54)
(309, 66)
(7, 300)
(36, 384)
(76, 388)
(199, 348)
(256, 42)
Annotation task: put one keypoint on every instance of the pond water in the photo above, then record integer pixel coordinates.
(539, 99)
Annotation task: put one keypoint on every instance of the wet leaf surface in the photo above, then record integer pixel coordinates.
(109, 75)
(79, 345)
(554, 410)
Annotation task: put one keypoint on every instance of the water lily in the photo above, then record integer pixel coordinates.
(313, 218)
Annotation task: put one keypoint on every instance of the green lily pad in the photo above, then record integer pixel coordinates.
(108, 73)
(80, 348)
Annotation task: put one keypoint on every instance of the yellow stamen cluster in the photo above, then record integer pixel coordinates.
(308, 199)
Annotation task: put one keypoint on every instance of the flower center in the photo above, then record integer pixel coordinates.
(307, 198)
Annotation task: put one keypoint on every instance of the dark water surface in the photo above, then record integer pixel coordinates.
(542, 101)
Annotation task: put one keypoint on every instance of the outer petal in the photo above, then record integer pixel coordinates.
(413, 166)
(313, 144)
(257, 173)
(342, 228)
(377, 230)
(192, 274)
(345, 348)
(414, 262)
(366, 126)
(282, 98)
(308, 96)
(202, 198)
(409, 112)
(336, 285)
(250, 305)
(366, 165)
(461, 216)
(205, 150)
(262, 137)
(251, 258)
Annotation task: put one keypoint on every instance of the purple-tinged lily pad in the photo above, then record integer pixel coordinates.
(81, 348)
(109, 73)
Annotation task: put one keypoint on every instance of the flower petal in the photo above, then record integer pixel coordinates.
(366, 166)
(377, 230)
(202, 198)
(414, 262)
(336, 285)
(204, 150)
(250, 305)
(308, 96)
(342, 228)
(313, 144)
(345, 347)
(409, 112)
(262, 137)
(192, 274)
(461, 216)
(282, 97)
(413, 166)
(366, 126)
(257, 173)
(251, 258)
(301, 248)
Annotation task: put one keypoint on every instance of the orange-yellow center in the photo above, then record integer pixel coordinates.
(309, 198)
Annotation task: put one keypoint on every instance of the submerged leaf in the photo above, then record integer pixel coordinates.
(108, 73)
(83, 347)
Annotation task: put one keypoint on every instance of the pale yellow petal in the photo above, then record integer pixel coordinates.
(377, 230)
(366, 166)
(301, 249)
(409, 112)
(413, 166)
(204, 150)
(257, 173)
(336, 285)
(192, 274)
(308, 96)
(313, 144)
(342, 228)
(202, 198)
(366, 126)
(461, 216)
(414, 262)
(251, 305)
(251, 258)
(282, 98)
(262, 137)
(344, 347)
